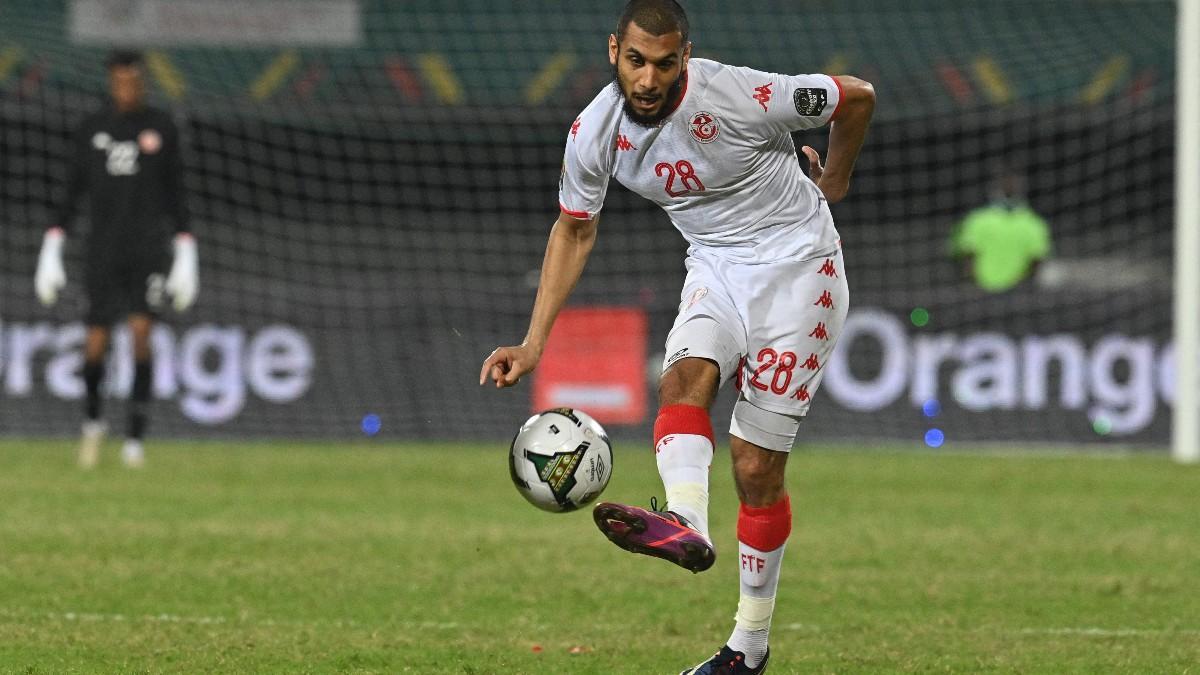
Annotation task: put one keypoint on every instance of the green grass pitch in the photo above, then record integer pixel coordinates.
(422, 558)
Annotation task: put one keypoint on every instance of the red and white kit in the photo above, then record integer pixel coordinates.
(764, 260)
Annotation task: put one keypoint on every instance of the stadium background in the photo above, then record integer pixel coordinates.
(371, 215)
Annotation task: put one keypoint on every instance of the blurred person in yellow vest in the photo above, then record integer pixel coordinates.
(1002, 243)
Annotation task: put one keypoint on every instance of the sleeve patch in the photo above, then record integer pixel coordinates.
(810, 101)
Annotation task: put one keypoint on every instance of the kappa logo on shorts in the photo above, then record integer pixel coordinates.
(812, 363)
(826, 300)
(575, 127)
(819, 332)
(828, 269)
(697, 297)
(705, 127)
(801, 394)
(810, 101)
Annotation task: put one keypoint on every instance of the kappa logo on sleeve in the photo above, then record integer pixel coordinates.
(763, 95)
(810, 101)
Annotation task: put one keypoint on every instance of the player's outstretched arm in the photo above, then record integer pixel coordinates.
(567, 251)
(847, 131)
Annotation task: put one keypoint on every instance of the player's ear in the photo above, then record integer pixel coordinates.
(612, 49)
(687, 53)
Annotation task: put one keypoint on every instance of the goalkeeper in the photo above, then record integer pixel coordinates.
(126, 159)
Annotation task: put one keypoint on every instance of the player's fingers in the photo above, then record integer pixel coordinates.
(514, 373)
(493, 359)
(498, 371)
(488, 363)
(814, 160)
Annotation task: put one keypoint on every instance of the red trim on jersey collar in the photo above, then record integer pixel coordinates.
(682, 96)
(841, 95)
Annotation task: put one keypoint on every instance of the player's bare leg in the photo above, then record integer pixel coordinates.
(132, 453)
(94, 428)
(683, 444)
(764, 523)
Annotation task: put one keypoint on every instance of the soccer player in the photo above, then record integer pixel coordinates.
(126, 159)
(765, 295)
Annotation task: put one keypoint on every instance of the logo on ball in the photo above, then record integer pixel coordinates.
(560, 459)
(705, 128)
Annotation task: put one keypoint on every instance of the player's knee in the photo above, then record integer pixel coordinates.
(139, 328)
(754, 468)
(689, 381)
(96, 344)
(759, 476)
(142, 351)
(761, 442)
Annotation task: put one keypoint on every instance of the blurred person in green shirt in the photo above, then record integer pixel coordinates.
(1001, 244)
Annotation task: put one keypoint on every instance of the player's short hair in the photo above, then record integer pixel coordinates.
(656, 17)
(123, 58)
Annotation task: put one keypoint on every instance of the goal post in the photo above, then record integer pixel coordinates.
(1185, 441)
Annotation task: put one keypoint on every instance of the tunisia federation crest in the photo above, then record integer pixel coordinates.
(705, 128)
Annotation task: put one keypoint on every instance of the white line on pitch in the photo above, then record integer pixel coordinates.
(176, 618)
(1077, 630)
(1110, 632)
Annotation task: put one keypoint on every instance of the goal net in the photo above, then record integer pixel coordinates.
(372, 185)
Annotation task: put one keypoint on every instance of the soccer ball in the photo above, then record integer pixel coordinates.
(560, 459)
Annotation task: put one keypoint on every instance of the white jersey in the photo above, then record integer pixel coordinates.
(722, 165)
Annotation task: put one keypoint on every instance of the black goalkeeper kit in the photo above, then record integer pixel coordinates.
(129, 167)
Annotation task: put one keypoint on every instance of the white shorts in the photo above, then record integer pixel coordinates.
(774, 325)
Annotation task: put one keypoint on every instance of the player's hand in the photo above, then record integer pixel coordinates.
(834, 190)
(50, 277)
(506, 365)
(184, 280)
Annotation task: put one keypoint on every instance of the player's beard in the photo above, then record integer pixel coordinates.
(674, 92)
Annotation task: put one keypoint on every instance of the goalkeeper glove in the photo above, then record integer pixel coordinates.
(50, 277)
(184, 280)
